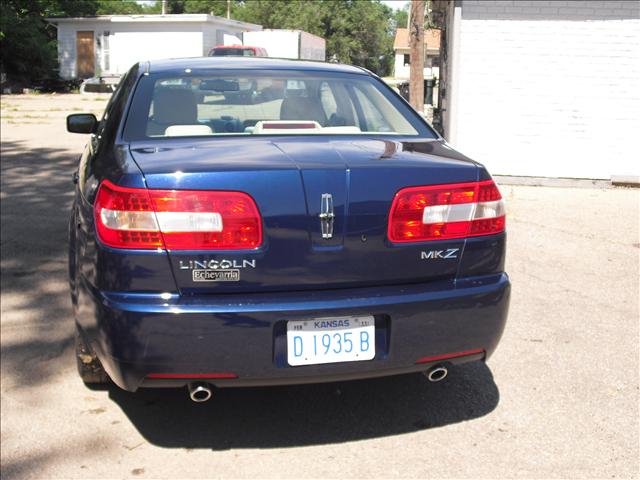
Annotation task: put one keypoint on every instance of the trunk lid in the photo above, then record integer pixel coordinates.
(291, 180)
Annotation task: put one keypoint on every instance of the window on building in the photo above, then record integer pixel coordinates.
(407, 60)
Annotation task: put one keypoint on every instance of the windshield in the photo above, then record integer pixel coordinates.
(270, 103)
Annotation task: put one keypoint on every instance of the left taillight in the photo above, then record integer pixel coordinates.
(440, 212)
(176, 219)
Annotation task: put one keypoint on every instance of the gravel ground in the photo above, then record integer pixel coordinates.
(558, 399)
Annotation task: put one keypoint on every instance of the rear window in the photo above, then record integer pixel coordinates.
(275, 103)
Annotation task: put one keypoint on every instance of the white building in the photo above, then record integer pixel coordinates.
(543, 88)
(111, 44)
(402, 52)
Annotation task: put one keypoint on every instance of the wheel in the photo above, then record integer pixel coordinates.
(89, 367)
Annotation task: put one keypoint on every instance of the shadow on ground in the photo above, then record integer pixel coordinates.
(37, 324)
(304, 415)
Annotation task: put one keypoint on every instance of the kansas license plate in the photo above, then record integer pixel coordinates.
(330, 340)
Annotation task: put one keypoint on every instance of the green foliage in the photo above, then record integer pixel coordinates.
(219, 7)
(119, 7)
(215, 7)
(359, 32)
(27, 41)
(401, 16)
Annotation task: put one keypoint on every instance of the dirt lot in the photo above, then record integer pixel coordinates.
(558, 399)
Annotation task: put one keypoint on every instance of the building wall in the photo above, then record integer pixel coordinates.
(548, 88)
(67, 46)
(401, 71)
(66, 52)
(151, 41)
(130, 42)
(209, 38)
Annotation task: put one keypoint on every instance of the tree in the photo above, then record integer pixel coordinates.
(120, 7)
(401, 17)
(416, 41)
(358, 32)
(27, 40)
(215, 7)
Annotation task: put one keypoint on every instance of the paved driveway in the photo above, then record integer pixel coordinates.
(558, 399)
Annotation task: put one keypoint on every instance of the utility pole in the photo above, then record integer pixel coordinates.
(228, 8)
(416, 42)
(164, 7)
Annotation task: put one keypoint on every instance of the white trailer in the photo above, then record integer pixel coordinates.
(287, 44)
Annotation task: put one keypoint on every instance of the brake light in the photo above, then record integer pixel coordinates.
(441, 212)
(176, 219)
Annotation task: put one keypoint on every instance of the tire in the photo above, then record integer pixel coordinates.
(89, 367)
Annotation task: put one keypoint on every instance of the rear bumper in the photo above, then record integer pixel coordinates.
(136, 335)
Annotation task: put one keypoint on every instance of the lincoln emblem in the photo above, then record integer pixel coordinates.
(326, 215)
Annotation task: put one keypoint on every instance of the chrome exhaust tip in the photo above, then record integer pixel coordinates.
(437, 373)
(199, 392)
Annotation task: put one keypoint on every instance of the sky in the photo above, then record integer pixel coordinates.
(397, 4)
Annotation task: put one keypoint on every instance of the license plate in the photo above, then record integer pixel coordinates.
(331, 340)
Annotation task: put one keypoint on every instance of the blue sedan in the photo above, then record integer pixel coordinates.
(246, 222)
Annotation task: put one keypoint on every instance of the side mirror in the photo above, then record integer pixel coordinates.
(82, 123)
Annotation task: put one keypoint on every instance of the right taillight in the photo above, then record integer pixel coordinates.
(440, 212)
(176, 219)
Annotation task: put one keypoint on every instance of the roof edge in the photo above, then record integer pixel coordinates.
(242, 63)
(177, 17)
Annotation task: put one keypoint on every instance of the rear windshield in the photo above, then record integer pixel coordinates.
(232, 52)
(275, 103)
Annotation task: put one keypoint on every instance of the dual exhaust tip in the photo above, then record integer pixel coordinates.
(200, 392)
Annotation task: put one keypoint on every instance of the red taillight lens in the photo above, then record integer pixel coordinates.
(448, 356)
(192, 375)
(441, 212)
(176, 219)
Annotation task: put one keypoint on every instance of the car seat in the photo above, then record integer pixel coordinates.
(172, 107)
(302, 108)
